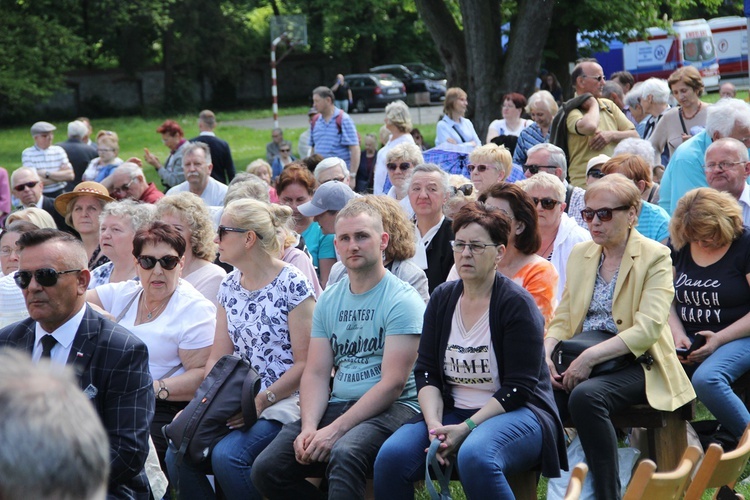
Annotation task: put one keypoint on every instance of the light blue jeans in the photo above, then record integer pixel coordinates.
(713, 380)
(504, 445)
(231, 461)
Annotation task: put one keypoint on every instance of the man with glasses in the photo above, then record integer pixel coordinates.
(546, 157)
(727, 168)
(79, 153)
(197, 166)
(51, 162)
(111, 364)
(26, 187)
(597, 126)
(331, 169)
(128, 181)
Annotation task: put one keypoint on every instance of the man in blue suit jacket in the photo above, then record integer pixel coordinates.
(111, 364)
(221, 155)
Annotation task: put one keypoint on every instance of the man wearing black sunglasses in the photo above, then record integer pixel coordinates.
(597, 125)
(26, 186)
(111, 364)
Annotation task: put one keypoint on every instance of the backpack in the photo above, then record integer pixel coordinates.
(339, 120)
(558, 132)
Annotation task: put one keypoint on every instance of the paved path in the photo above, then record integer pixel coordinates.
(421, 117)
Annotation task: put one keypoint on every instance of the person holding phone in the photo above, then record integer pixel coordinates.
(711, 263)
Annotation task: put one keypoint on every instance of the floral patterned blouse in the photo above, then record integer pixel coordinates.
(258, 320)
(599, 315)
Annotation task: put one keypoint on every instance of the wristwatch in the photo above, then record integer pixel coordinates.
(46, 174)
(271, 397)
(163, 393)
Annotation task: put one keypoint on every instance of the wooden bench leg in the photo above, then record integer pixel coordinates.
(668, 443)
(524, 485)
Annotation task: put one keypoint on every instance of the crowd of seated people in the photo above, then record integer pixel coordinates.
(427, 308)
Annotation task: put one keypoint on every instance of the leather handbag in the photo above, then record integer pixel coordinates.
(566, 351)
(230, 386)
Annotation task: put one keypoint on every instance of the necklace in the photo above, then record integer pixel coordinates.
(544, 253)
(156, 311)
(700, 105)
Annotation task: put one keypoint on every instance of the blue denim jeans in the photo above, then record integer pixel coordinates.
(278, 475)
(231, 461)
(713, 380)
(503, 445)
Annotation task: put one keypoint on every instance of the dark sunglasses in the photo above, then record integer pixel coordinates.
(223, 230)
(466, 189)
(547, 203)
(45, 277)
(22, 187)
(285, 150)
(534, 169)
(167, 262)
(403, 166)
(604, 214)
(596, 173)
(479, 168)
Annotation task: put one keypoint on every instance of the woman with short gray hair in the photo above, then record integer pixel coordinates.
(398, 123)
(429, 189)
(400, 163)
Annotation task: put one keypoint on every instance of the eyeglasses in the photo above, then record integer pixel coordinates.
(466, 189)
(285, 150)
(598, 78)
(223, 230)
(167, 262)
(104, 150)
(45, 277)
(6, 251)
(724, 165)
(479, 168)
(595, 173)
(474, 248)
(22, 187)
(123, 188)
(604, 214)
(534, 169)
(403, 166)
(547, 203)
(339, 179)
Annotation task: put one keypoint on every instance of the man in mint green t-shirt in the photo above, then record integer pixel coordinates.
(367, 326)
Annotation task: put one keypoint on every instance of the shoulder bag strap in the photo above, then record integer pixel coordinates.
(127, 307)
(455, 127)
(682, 121)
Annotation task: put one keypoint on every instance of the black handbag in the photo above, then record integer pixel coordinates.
(230, 386)
(568, 350)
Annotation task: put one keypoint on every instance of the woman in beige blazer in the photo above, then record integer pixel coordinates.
(620, 282)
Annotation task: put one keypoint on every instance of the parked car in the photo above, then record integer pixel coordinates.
(415, 82)
(374, 90)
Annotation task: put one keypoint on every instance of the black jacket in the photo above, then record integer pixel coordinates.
(221, 158)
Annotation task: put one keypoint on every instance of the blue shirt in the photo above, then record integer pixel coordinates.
(318, 244)
(529, 137)
(653, 223)
(685, 171)
(327, 140)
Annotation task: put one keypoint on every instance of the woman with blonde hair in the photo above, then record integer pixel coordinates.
(108, 148)
(542, 108)
(453, 127)
(711, 269)
(262, 169)
(400, 163)
(398, 123)
(488, 165)
(40, 218)
(401, 245)
(462, 193)
(189, 215)
(265, 317)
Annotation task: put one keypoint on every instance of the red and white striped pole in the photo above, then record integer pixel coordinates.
(274, 88)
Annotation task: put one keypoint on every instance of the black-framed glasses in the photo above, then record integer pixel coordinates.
(167, 262)
(403, 166)
(22, 187)
(285, 150)
(466, 189)
(534, 169)
(223, 230)
(123, 188)
(604, 214)
(595, 173)
(598, 78)
(479, 168)
(474, 248)
(45, 276)
(547, 203)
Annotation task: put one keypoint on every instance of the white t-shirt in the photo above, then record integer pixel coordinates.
(213, 195)
(502, 128)
(187, 322)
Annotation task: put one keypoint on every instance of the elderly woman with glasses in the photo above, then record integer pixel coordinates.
(620, 284)
(488, 165)
(284, 158)
(108, 146)
(175, 321)
(398, 123)
(265, 317)
(711, 269)
(494, 422)
(559, 232)
(400, 162)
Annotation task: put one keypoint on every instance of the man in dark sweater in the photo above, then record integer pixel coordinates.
(221, 155)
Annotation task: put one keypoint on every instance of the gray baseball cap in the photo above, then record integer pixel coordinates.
(42, 128)
(332, 195)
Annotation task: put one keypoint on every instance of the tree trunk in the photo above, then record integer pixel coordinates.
(448, 39)
(562, 43)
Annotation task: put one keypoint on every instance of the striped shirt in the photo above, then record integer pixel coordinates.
(46, 160)
(327, 140)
